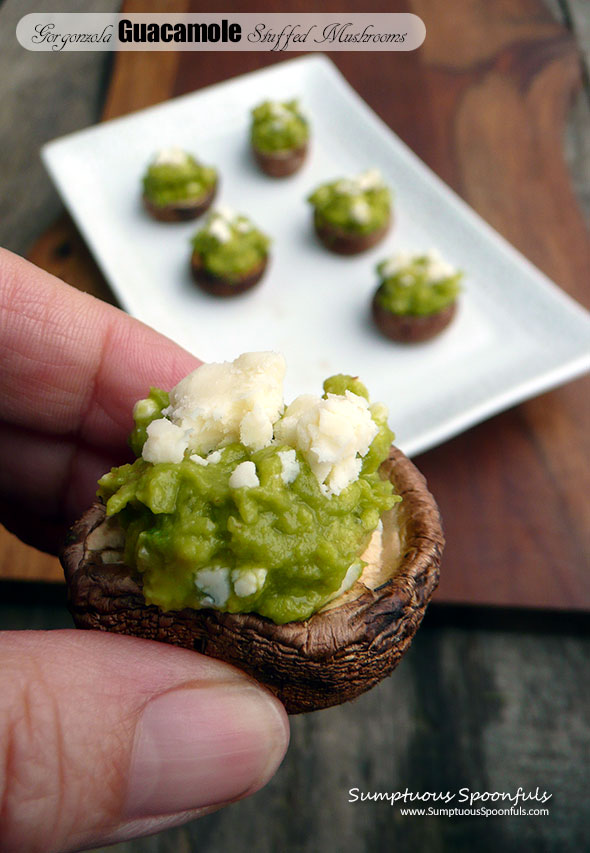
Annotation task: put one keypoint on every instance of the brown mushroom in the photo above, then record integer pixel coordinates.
(181, 211)
(411, 328)
(280, 164)
(345, 242)
(220, 286)
(340, 652)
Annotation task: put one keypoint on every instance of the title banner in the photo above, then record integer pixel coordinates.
(221, 31)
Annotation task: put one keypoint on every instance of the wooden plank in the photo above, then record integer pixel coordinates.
(485, 111)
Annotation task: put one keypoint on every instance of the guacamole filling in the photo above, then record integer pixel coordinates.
(230, 246)
(278, 127)
(175, 177)
(417, 284)
(359, 205)
(275, 529)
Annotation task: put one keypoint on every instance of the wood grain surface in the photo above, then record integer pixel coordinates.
(485, 108)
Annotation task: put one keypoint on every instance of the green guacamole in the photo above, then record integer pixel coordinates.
(278, 127)
(285, 547)
(413, 290)
(168, 183)
(230, 248)
(351, 205)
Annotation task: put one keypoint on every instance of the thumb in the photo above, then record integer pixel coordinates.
(104, 737)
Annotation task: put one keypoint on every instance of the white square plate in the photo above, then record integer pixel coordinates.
(516, 333)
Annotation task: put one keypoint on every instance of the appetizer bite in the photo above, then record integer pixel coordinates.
(230, 254)
(294, 543)
(352, 214)
(417, 296)
(279, 137)
(176, 187)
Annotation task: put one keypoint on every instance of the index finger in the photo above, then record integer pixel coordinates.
(72, 365)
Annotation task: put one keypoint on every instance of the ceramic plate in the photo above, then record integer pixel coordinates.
(516, 333)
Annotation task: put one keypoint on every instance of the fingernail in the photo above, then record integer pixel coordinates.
(199, 746)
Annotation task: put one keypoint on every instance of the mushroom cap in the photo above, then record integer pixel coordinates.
(338, 653)
(280, 164)
(344, 242)
(411, 328)
(181, 211)
(218, 285)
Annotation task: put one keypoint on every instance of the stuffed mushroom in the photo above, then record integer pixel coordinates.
(294, 542)
(230, 254)
(351, 215)
(279, 137)
(176, 187)
(417, 296)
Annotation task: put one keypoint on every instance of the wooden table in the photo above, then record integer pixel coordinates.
(492, 700)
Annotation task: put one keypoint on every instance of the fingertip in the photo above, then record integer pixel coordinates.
(198, 746)
(155, 735)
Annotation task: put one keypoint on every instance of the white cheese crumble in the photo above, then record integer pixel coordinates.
(172, 156)
(256, 429)
(248, 581)
(224, 219)
(212, 458)
(215, 584)
(397, 262)
(437, 267)
(219, 229)
(232, 401)
(369, 180)
(289, 466)
(242, 401)
(333, 435)
(145, 408)
(166, 442)
(199, 460)
(360, 210)
(244, 476)
(278, 111)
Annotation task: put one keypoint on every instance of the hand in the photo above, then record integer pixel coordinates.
(102, 737)
(72, 368)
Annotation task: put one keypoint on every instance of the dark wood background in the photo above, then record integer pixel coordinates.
(490, 699)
